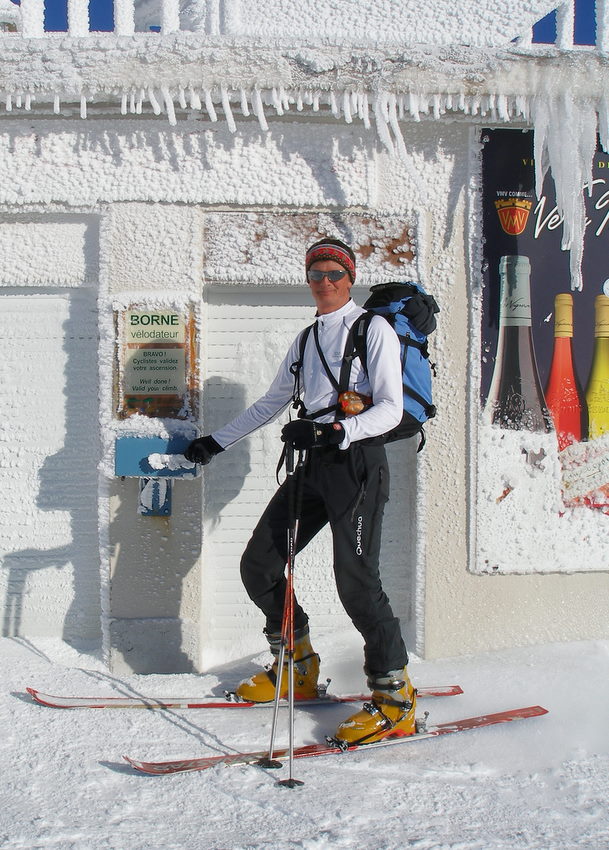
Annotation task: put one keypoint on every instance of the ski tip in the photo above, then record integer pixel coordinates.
(136, 765)
(38, 697)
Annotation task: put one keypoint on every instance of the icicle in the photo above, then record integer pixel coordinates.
(276, 101)
(245, 109)
(437, 109)
(347, 107)
(565, 139)
(83, 106)
(167, 98)
(230, 121)
(284, 99)
(401, 107)
(363, 109)
(522, 106)
(156, 106)
(140, 102)
(258, 110)
(299, 103)
(381, 122)
(9, 103)
(28, 102)
(603, 123)
(182, 98)
(18, 101)
(334, 107)
(195, 100)
(209, 106)
(124, 103)
(413, 105)
(56, 105)
(502, 107)
(401, 146)
(315, 101)
(132, 107)
(393, 123)
(540, 151)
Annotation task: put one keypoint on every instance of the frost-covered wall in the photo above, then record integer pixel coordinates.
(49, 436)
(177, 170)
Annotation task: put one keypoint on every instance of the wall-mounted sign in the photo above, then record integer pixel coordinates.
(156, 356)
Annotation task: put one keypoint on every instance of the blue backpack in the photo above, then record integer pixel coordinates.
(411, 312)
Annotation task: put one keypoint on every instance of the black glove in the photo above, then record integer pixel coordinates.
(304, 434)
(202, 450)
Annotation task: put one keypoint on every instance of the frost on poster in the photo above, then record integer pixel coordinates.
(530, 516)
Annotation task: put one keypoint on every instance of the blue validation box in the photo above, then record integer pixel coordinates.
(132, 453)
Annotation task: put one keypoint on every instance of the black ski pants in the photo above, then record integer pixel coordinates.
(349, 490)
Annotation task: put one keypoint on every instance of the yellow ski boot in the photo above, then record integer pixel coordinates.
(261, 686)
(389, 714)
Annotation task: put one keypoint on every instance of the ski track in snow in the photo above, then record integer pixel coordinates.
(538, 784)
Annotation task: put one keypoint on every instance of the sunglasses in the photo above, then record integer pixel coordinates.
(316, 276)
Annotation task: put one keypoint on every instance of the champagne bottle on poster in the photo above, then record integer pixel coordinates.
(515, 400)
(597, 391)
(563, 393)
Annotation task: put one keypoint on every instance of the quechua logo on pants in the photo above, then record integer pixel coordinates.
(358, 536)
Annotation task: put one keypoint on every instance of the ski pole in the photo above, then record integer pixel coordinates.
(269, 761)
(296, 508)
(287, 626)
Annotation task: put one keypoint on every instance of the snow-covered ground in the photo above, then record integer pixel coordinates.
(539, 784)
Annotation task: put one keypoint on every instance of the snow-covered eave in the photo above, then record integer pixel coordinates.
(563, 94)
(109, 65)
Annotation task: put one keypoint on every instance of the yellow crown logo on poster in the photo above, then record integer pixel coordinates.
(513, 214)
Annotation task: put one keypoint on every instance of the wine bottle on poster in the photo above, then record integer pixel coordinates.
(563, 393)
(597, 391)
(515, 400)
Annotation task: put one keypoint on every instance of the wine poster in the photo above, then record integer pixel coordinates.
(542, 472)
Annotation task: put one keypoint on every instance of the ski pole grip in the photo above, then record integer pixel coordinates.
(289, 459)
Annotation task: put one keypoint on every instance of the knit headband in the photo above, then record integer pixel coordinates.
(329, 251)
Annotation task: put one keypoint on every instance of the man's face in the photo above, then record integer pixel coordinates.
(330, 295)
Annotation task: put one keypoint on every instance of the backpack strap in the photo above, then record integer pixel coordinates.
(295, 369)
(357, 340)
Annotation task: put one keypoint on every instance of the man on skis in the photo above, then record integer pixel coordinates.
(346, 484)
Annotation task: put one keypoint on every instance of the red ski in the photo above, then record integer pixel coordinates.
(181, 766)
(231, 701)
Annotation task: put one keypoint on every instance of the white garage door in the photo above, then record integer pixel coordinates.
(49, 553)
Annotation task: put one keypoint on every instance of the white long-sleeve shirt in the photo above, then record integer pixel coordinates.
(383, 381)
